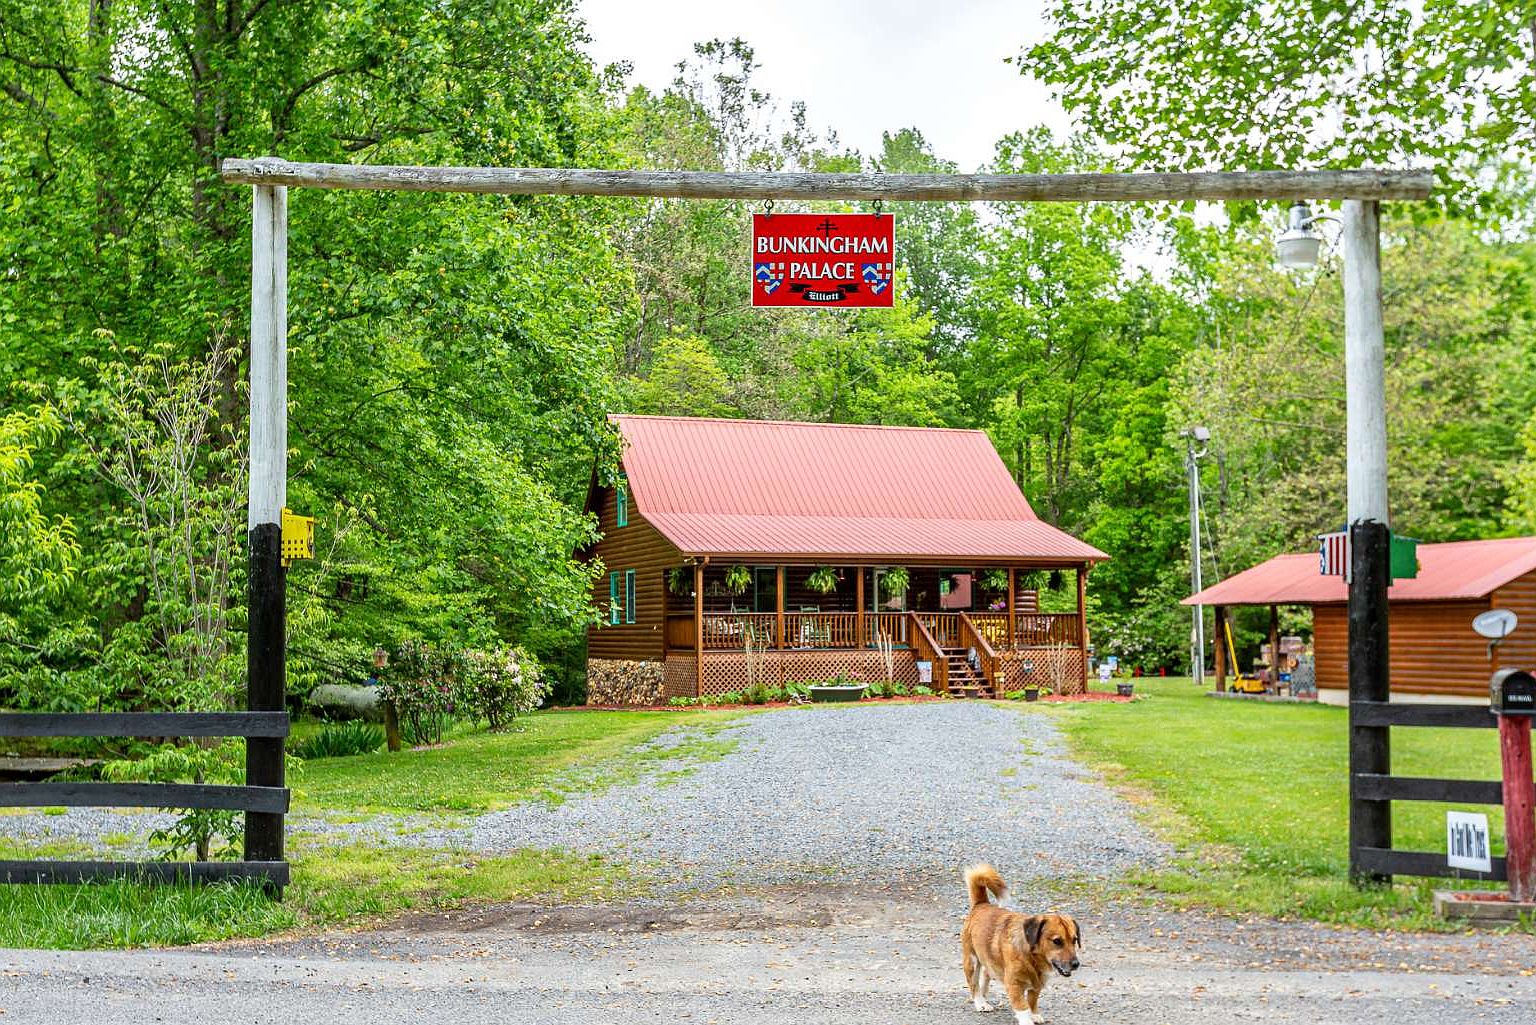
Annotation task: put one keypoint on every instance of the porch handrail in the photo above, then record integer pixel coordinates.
(971, 637)
(727, 631)
(926, 647)
(1046, 629)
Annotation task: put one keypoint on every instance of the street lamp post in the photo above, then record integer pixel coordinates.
(1370, 751)
(1194, 436)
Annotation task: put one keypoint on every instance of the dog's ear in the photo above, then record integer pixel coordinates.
(1077, 932)
(1034, 925)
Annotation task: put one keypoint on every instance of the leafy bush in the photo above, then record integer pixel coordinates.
(921, 691)
(500, 684)
(421, 682)
(685, 702)
(340, 741)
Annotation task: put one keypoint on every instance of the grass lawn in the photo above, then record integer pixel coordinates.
(551, 754)
(1255, 796)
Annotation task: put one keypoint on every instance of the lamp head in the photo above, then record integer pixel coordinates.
(1298, 245)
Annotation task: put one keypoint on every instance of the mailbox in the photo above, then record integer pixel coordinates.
(1512, 692)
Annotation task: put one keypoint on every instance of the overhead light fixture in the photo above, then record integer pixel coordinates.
(1298, 245)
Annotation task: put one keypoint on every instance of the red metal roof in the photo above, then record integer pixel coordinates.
(743, 487)
(1451, 571)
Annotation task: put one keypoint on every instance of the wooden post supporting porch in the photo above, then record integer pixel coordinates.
(698, 629)
(858, 601)
(1221, 648)
(778, 591)
(1008, 607)
(1274, 647)
(1082, 620)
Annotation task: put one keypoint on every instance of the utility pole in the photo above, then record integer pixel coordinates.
(266, 684)
(1370, 750)
(1195, 436)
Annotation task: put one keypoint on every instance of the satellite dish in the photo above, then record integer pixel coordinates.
(1495, 624)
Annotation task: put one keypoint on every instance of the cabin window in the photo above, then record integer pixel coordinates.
(621, 502)
(629, 596)
(615, 600)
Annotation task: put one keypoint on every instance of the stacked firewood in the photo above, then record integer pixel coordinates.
(623, 682)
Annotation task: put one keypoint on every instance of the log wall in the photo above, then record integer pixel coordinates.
(640, 547)
(1433, 649)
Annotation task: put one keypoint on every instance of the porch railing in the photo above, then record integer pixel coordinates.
(986, 655)
(729, 631)
(943, 626)
(926, 646)
(1047, 629)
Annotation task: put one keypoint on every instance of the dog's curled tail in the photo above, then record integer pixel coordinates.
(983, 879)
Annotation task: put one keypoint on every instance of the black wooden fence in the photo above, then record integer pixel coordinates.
(1371, 854)
(253, 800)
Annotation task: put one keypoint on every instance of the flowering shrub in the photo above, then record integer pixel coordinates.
(428, 686)
(422, 683)
(501, 684)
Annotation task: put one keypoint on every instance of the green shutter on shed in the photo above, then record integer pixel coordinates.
(629, 596)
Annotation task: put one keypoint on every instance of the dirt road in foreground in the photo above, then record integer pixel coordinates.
(794, 957)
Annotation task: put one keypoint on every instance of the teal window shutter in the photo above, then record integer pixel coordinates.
(621, 498)
(629, 596)
(615, 613)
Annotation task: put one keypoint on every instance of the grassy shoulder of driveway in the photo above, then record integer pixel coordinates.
(1254, 795)
(548, 756)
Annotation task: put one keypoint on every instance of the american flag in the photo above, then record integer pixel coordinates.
(1333, 554)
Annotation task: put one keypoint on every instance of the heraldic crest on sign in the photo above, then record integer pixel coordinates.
(823, 260)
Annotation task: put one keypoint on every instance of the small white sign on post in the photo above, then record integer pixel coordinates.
(1466, 841)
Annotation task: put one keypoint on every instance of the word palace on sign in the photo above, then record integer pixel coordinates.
(823, 260)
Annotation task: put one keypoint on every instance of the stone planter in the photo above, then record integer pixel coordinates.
(1124, 689)
(1031, 693)
(839, 693)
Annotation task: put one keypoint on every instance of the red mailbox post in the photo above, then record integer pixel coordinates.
(1512, 694)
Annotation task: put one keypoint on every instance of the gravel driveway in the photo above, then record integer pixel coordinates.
(910, 791)
(856, 791)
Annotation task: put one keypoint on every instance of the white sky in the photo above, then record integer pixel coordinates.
(861, 66)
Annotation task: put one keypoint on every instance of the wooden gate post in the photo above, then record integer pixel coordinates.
(266, 680)
(1370, 752)
(1519, 806)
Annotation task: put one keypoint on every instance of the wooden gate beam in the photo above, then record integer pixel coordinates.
(1281, 186)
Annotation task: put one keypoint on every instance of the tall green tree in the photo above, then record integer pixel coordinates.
(1322, 83)
(450, 357)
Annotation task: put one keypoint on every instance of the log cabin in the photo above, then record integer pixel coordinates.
(1433, 652)
(735, 552)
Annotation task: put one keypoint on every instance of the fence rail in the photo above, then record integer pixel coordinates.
(1366, 787)
(259, 800)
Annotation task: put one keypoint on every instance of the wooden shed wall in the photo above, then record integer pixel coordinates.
(640, 547)
(1433, 649)
(1519, 596)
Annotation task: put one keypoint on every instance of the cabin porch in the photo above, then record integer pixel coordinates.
(963, 631)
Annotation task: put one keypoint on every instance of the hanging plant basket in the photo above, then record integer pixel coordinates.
(894, 581)
(678, 579)
(738, 579)
(823, 580)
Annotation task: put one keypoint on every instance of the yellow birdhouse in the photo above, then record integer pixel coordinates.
(298, 537)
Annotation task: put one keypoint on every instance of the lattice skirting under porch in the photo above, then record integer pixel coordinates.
(1061, 669)
(727, 671)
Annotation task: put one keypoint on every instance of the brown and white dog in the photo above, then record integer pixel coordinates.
(1019, 950)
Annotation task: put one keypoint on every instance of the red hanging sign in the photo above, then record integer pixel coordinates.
(823, 260)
